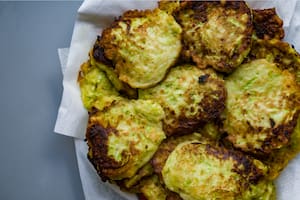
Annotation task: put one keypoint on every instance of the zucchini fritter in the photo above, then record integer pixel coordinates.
(167, 129)
(189, 96)
(262, 107)
(124, 137)
(267, 24)
(96, 89)
(142, 46)
(216, 33)
(279, 52)
(199, 171)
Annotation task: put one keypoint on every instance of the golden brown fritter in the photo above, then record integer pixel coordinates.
(138, 90)
(203, 171)
(215, 33)
(279, 52)
(267, 24)
(142, 46)
(189, 96)
(262, 107)
(261, 188)
(123, 137)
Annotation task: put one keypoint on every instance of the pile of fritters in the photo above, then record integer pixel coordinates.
(193, 100)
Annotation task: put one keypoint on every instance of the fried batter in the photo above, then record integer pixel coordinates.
(203, 171)
(142, 46)
(189, 96)
(124, 137)
(215, 33)
(167, 129)
(262, 107)
(267, 24)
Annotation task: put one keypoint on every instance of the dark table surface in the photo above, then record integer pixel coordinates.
(35, 163)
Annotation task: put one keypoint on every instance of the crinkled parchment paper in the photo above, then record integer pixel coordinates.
(93, 16)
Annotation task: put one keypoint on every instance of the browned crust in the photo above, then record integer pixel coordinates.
(279, 159)
(281, 135)
(170, 196)
(165, 149)
(212, 106)
(267, 24)
(97, 137)
(161, 155)
(136, 14)
(140, 196)
(84, 69)
(105, 43)
(278, 137)
(98, 53)
(97, 140)
(243, 166)
(173, 196)
(201, 9)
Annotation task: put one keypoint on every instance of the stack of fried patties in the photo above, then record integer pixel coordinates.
(193, 100)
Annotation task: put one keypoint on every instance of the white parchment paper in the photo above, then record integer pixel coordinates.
(93, 16)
